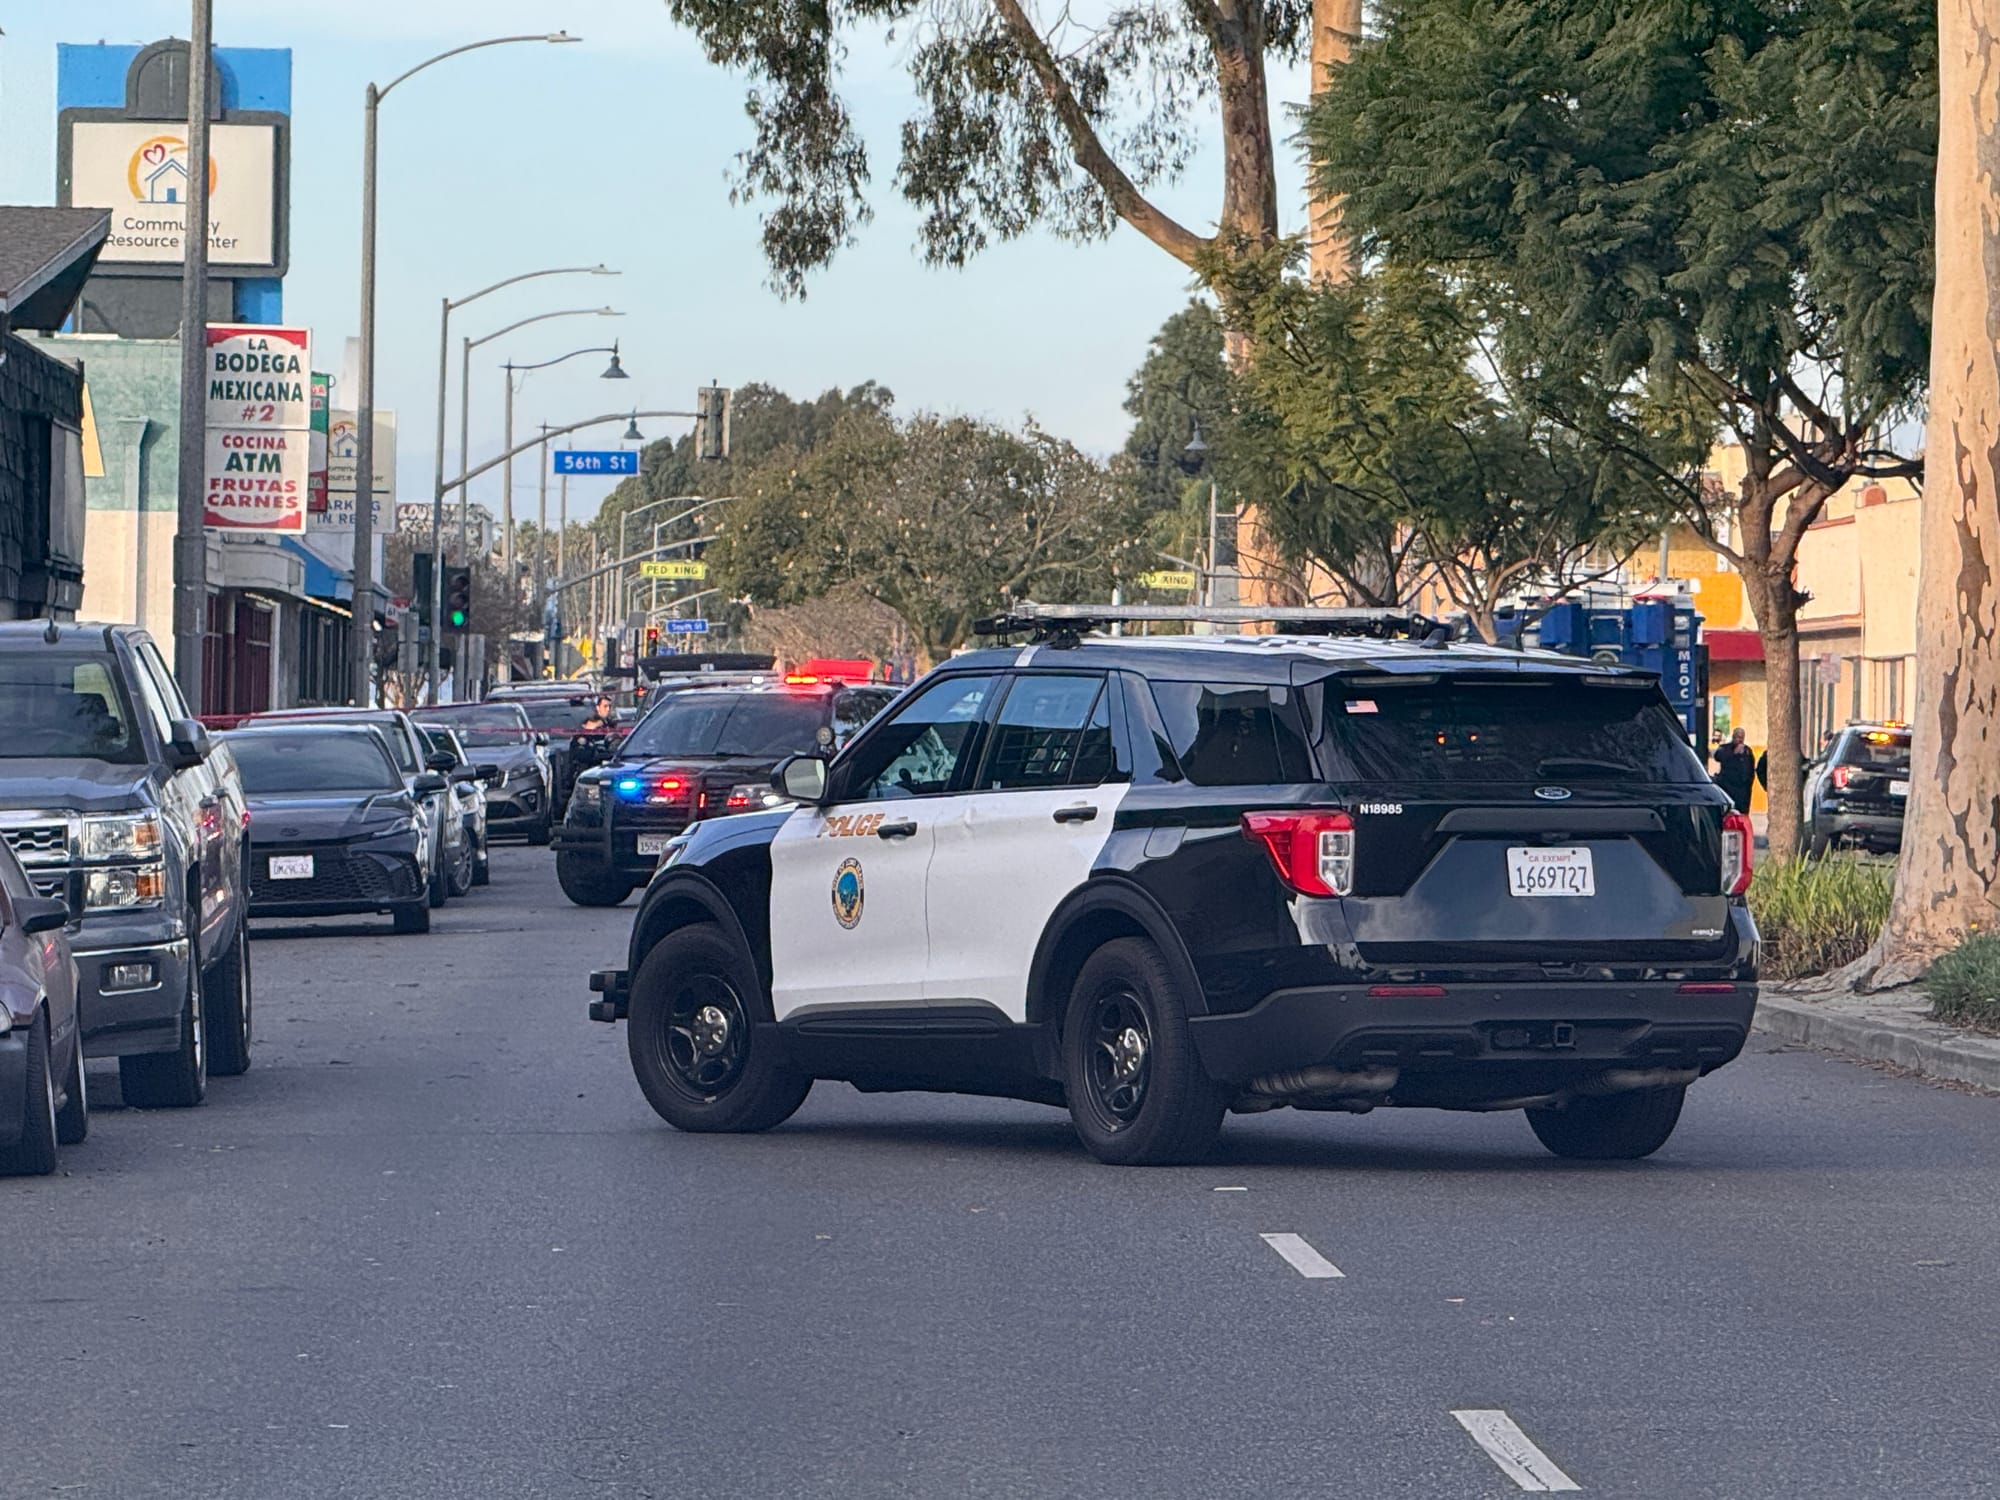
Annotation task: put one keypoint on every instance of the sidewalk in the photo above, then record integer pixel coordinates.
(1893, 1027)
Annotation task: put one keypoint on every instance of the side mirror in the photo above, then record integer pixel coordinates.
(802, 778)
(41, 913)
(541, 739)
(187, 744)
(489, 773)
(429, 784)
(442, 761)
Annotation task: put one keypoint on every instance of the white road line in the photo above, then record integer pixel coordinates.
(1519, 1459)
(1307, 1261)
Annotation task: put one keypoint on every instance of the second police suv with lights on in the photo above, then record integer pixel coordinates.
(702, 753)
(1159, 879)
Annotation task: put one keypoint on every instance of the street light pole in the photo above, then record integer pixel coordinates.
(542, 542)
(361, 637)
(190, 530)
(508, 581)
(451, 304)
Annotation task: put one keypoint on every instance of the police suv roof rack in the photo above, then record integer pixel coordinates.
(1065, 624)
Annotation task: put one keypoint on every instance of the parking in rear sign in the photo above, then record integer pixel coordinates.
(582, 461)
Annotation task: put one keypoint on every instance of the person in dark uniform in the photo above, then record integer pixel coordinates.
(1736, 770)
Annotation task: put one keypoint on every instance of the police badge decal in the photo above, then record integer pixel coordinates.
(847, 893)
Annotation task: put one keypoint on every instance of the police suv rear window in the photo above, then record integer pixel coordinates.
(1877, 749)
(1565, 731)
(1234, 734)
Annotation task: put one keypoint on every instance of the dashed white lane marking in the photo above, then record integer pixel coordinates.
(1307, 1261)
(1509, 1447)
(1245, 1190)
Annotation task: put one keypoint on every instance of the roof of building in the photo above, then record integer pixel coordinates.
(46, 254)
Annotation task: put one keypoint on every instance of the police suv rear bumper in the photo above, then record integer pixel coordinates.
(615, 986)
(1475, 1040)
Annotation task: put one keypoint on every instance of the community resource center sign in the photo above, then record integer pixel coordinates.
(259, 452)
(139, 170)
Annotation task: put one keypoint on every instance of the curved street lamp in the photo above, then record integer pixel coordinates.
(361, 638)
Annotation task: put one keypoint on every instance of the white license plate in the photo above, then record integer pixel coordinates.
(654, 843)
(291, 867)
(1550, 872)
(1899, 789)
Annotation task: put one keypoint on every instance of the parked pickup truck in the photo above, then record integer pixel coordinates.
(114, 799)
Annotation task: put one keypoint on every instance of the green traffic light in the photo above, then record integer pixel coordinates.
(457, 618)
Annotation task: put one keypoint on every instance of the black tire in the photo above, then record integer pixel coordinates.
(541, 830)
(413, 918)
(458, 878)
(229, 1018)
(587, 886)
(73, 1115)
(1817, 843)
(436, 892)
(482, 866)
(176, 1079)
(1137, 1093)
(34, 1155)
(1611, 1127)
(691, 1035)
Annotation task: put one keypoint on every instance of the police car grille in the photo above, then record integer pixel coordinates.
(337, 876)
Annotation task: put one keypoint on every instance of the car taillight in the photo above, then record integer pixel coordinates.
(1312, 849)
(1738, 838)
(1842, 775)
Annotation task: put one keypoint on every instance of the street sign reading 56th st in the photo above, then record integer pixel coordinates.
(673, 570)
(579, 461)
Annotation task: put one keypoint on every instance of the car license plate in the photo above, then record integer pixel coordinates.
(1899, 789)
(1550, 872)
(291, 867)
(654, 843)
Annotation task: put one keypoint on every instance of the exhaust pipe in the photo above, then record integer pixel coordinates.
(1322, 1081)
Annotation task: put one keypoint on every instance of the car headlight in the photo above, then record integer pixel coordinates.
(589, 793)
(752, 797)
(125, 836)
(116, 890)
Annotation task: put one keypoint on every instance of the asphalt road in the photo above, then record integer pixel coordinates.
(435, 1245)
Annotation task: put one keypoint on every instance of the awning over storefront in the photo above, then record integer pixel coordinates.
(1733, 645)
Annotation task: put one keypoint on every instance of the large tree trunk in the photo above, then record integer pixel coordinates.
(1336, 27)
(1949, 881)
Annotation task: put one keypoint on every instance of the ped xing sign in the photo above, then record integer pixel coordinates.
(685, 627)
(673, 570)
(581, 461)
(1166, 580)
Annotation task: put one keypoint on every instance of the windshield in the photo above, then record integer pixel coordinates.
(274, 764)
(559, 715)
(484, 725)
(1502, 731)
(761, 725)
(1877, 749)
(65, 705)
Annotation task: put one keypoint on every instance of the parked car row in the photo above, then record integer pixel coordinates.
(359, 812)
(124, 893)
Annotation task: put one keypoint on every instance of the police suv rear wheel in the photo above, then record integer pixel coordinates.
(692, 1039)
(1613, 1127)
(1136, 1089)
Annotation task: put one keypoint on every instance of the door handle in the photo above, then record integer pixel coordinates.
(896, 831)
(1080, 814)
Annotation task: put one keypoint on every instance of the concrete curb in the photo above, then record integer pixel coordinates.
(1883, 1035)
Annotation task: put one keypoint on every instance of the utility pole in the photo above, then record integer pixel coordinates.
(361, 627)
(508, 581)
(190, 534)
(540, 591)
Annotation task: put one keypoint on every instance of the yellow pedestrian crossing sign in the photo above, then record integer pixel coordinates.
(1166, 581)
(673, 570)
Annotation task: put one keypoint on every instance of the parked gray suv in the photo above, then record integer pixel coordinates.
(114, 799)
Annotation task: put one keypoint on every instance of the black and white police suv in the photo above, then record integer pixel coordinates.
(1160, 878)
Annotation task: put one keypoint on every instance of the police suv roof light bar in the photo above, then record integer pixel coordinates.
(1066, 622)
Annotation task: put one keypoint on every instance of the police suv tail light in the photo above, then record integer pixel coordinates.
(1311, 849)
(1842, 775)
(1738, 838)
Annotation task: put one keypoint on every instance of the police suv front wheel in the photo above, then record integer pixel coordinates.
(691, 1034)
(1136, 1089)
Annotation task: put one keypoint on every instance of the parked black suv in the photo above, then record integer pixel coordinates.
(1858, 791)
(702, 753)
(1161, 878)
(113, 798)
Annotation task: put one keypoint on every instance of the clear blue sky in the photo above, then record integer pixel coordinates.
(619, 151)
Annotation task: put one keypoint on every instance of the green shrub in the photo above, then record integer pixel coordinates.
(1965, 984)
(1817, 914)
